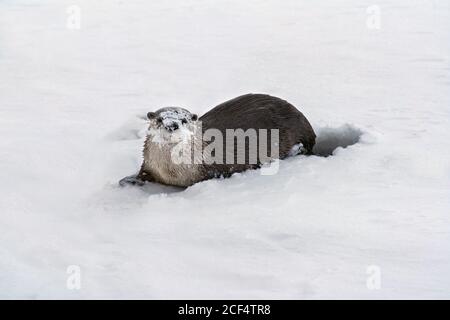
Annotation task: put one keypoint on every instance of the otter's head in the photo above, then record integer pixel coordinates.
(171, 119)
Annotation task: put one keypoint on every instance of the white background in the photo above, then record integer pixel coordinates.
(70, 102)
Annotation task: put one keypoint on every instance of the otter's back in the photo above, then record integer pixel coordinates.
(260, 111)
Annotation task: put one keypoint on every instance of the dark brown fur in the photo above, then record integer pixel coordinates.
(258, 111)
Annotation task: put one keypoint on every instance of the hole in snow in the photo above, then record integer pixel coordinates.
(329, 139)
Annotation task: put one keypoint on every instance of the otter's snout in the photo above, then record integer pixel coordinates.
(172, 126)
(168, 124)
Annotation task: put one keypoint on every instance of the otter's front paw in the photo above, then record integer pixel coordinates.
(131, 180)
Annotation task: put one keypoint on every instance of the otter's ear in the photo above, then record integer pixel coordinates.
(194, 117)
(151, 115)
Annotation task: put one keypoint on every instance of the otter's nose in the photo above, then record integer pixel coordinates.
(173, 126)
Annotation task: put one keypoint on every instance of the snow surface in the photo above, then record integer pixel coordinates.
(72, 104)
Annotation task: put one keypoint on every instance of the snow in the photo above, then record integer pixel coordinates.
(170, 116)
(72, 109)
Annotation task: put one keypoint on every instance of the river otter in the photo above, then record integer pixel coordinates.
(172, 129)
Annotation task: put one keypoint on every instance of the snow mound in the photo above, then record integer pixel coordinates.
(134, 128)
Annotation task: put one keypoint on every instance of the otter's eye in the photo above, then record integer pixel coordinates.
(159, 120)
(184, 121)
